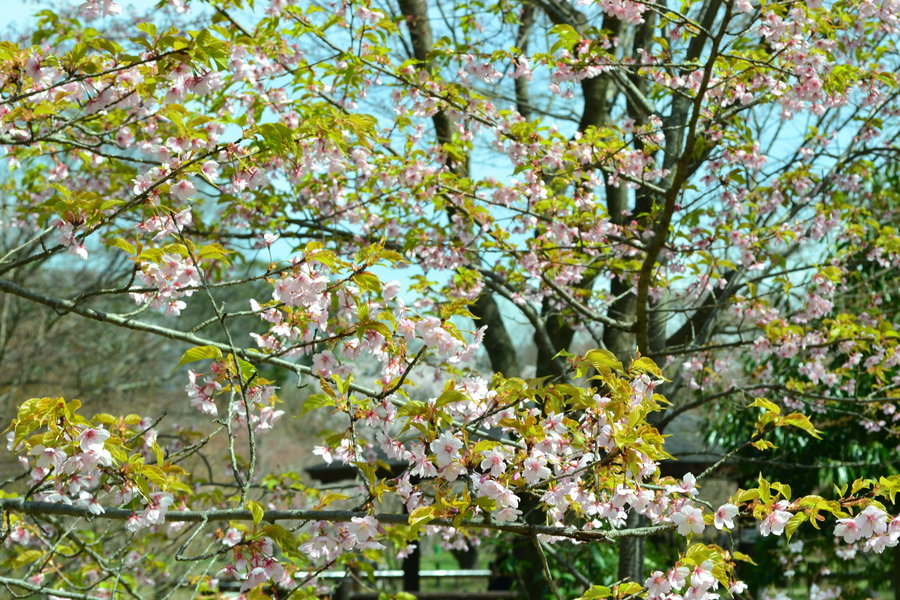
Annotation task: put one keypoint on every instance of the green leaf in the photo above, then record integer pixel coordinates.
(421, 516)
(763, 445)
(256, 510)
(26, 558)
(596, 591)
(215, 49)
(154, 475)
(889, 485)
(483, 445)
(248, 369)
(646, 365)
(802, 422)
(412, 409)
(331, 497)
(277, 136)
(766, 405)
(860, 484)
(281, 536)
(367, 282)
(105, 418)
(764, 491)
(628, 588)
(199, 353)
(566, 35)
(159, 454)
(604, 360)
(449, 397)
(214, 252)
(314, 401)
(794, 523)
(782, 488)
(148, 28)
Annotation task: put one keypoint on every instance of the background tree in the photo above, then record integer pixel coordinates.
(862, 427)
(638, 184)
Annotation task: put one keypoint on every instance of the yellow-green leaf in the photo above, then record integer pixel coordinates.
(26, 558)
(604, 360)
(646, 365)
(793, 523)
(421, 515)
(256, 510)
(766, 405)
(314, 401)
(628, 588)
(802, 421)
(199, 353)
(596, 591)
(763, 445)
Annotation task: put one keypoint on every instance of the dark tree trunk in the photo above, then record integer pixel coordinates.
(411, 566)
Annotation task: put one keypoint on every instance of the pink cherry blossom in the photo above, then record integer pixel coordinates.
(724, 516)
(93, 9)
(774, 522)
(535, 467)
(446, 449)
(93, 439)
(182, 189)
(658, 585)
(689, 520)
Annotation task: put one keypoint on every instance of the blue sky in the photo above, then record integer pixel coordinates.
(18, 13)
(15, 13)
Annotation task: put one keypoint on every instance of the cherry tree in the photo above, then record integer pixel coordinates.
(671, 200)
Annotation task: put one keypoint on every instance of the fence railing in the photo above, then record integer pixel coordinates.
(430, 573)
(347, 585)
(349, 588)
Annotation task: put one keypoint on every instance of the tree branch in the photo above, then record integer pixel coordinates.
(32, 507)
(39, 589)
(173, 334)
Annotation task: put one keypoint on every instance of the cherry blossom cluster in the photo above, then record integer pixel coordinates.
(260, 406)
(167, 225)
(626, 10)
(495, 471)
(253, 563)
(328, 541)
(94, 9)
(302, 311)
(872, 530)
(305, 293)
(67, 236)
(71, 468)
(202, 391)
(318, 155)
(686, 583)
(153, 514)
(256, 401)
(173, 277)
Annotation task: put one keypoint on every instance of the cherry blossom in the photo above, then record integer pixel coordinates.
(658, 585)
(774, 522)
(446, 449)
(689, 520)
(93, 440)
(724, 516)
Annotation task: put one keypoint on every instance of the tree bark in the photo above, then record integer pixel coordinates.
(497, 342)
